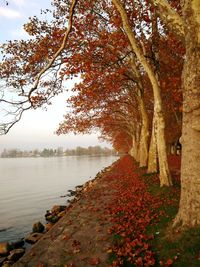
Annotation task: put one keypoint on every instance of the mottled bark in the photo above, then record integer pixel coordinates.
(165, 178)
(144, 135)
(189, 209)
(173, 20)
(134, 151)
(152, 160)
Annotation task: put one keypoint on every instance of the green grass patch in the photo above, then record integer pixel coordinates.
(142, 168)
(112, 256)
(117, 237)
(184, 248)
(120, 214)
(149, 174)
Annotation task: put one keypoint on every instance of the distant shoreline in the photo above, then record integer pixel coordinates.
(59, 152)
(98, 155)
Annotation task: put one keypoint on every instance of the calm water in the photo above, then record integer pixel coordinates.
(30, 186)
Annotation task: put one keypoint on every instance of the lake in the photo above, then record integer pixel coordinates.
(30, 186)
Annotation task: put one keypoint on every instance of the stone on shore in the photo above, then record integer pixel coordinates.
(79, 188)
(33, 238)
(57, 209)
(16, 254)
(52, 218)
(47, 213)
(2, 259)
(17, 244)
(55, 214)
(8, 263)
(4, 248)
(38, 227)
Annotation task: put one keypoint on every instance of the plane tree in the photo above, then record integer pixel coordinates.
(185, 24)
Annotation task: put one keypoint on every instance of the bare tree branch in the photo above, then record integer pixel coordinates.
(49, 65)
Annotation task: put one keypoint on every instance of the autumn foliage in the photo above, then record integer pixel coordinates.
(133, 210)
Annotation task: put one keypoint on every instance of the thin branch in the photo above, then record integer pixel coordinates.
(5, 127)
(49, 65)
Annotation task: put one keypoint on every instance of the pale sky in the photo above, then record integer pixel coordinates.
(37, 127)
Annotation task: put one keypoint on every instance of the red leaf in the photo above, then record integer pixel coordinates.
(94, 261)
(169, 262)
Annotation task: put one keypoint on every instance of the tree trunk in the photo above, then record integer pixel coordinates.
(152, 160)
(189, 209)
(144, 136)
(165, 178)
(134, 151)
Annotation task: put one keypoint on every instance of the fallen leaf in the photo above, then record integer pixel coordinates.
(76, 250)
(65, 237)
(94, 261)
(69, 265)
(169, 262)
(32, 253)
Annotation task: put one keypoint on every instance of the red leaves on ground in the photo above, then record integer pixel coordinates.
(132, 210)
(76, 246)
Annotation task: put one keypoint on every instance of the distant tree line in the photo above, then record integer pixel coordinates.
(59, 152)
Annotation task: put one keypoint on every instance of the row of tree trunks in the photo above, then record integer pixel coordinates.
(165, 178)
(188, 29)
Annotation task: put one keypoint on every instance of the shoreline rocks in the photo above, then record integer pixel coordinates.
(38, 227)
(11, 252)
(16, 254)
(33, 238)
(57, 212)
(4, 248)
(17, 244)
